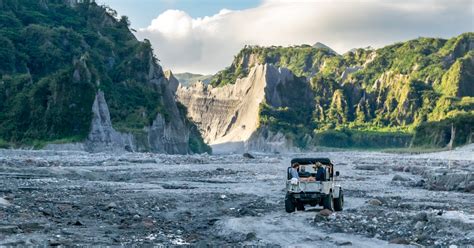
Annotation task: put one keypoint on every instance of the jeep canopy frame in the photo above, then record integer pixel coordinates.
(306, 161)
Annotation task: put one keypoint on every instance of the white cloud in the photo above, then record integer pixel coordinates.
(208, 44)
(172, 23)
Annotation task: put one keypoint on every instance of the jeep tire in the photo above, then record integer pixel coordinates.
(339, 202)
(300, 206)
(328, 202)
(289, 204)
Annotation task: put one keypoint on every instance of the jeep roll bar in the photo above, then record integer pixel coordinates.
(307, 161)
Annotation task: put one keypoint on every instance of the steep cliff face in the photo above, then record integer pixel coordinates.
(229, 116)
(73, 72)
(170, 135)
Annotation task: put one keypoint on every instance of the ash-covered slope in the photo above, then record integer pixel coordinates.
(229, 116)
(72, 71)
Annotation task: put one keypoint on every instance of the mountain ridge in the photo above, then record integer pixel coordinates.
(391, 90)
(320, 45)
(188, 78)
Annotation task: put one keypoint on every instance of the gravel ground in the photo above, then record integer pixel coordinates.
(74, 198)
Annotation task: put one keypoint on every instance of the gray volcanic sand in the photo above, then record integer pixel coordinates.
(76, 198)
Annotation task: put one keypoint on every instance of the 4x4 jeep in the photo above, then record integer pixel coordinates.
(321, 190)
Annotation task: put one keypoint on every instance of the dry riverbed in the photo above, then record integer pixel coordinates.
(74, 198)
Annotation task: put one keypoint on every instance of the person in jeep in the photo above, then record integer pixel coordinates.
(293, 171)
(320, 172)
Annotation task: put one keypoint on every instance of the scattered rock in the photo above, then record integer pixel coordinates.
(248, 155)
(419, 225)
(77, 223)
(398, 168)
(399, 241)
(400, 178)
(250, 236)
(47, 212)
(449, 180)
(212, 221)
(55, 242)
(325, 212)
(137, 160)
(366, 167)
(112, 205)
(128, 148)
(148, 223)
(320, 218)
(470, 188)
(375, 202)
(382, 216)
(169, 186)
(9, 197)
(323, 215)
(9, 229)
(4, 202)
(30, 227)
(343, 243)
(423, 216)
(419, 183)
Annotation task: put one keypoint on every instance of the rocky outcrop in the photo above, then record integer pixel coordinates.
(450, 180)
(171, 134)
(168, 133)
(165, 135)
(228, 116)
(103, 137)
(264, 140)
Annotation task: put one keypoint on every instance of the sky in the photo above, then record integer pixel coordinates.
(203, 36)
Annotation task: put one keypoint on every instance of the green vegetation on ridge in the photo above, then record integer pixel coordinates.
(54, 59)
(389, 93)
(55, 56)
(301, 60)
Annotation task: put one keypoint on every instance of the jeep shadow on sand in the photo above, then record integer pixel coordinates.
(314, 184)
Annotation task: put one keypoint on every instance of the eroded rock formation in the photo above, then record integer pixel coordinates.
(228, 116)
(165, 135)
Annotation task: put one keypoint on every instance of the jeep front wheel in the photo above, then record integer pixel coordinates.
(289, 204)
(339, 202)
(328, 202)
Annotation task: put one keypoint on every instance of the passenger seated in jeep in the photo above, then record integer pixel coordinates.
(294, 174)
(320, 172)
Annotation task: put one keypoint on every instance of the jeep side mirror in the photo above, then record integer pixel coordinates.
(337, 173)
